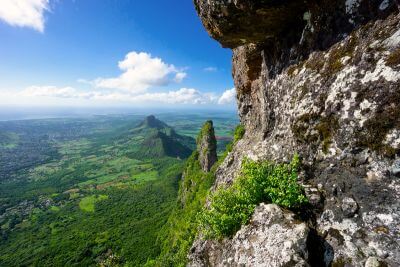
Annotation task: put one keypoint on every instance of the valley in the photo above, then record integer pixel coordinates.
(86, 191)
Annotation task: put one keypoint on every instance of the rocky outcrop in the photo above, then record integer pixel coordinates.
(272, 236)
(329, 90)
(207, 146)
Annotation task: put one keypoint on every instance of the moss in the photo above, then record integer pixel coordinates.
(377, 128)
(303, 91)
(336, 234)
(334, 62)
(316, 63)
(291, 69)
(300, 127)
(325, 127)
(393, 60)
(381, 229)
(341, 262)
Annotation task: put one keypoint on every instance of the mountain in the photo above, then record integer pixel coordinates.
(159, 140)
(319, 82)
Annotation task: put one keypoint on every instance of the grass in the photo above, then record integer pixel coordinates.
(146, 176)
(88, 203)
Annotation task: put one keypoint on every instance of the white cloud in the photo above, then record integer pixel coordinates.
(180, 76)
(227, 97)
(181, 96)
(140, 72)
(49, 91)
(24, 13)
(210, 69)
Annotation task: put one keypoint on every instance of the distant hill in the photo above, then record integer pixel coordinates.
(161, 140)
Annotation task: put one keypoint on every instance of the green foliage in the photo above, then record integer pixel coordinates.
(88, 203)
(179, 232)
(141, 222)
(239, 133)
(207, 129)
(259, 182)
(126, 223)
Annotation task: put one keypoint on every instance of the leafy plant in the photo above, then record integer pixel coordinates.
(262, 181)
(239, 133)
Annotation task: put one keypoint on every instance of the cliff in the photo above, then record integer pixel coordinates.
(207, 146)
(320, 79)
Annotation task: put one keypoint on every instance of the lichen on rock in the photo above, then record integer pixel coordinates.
(272, 238)
(328, 88)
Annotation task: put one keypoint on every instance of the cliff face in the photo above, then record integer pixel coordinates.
(207, 146)
(321, 79)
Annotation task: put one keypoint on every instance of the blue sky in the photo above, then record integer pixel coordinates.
(110, 52)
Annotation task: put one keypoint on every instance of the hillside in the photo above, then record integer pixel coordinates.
(76, 192)
(160, 140)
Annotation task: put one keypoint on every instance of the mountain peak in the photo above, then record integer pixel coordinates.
(152, 122)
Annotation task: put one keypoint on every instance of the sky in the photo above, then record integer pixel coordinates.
(110, 53)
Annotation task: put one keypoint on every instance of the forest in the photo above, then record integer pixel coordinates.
(96, 190)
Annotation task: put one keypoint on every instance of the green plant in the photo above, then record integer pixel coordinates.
(262, 181)
(239, 133)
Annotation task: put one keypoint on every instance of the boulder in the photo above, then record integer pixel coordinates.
(272, 238)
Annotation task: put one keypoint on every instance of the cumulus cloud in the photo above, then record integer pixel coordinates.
(210, 69)
(227, 97)
(181, 96)
(24, 13)
(141, 71)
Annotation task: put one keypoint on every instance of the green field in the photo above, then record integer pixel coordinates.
(88, 203)
(74, 191)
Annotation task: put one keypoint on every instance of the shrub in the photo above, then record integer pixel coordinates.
(263, 181)
(238, 134)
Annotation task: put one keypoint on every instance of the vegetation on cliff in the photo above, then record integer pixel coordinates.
(179, 232)
(207, 146)
(259, 182)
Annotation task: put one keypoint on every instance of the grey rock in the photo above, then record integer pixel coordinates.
(313, 195)
(329, 92)
(374, 262)
(272, 238)
(396, 168)
(349, 207)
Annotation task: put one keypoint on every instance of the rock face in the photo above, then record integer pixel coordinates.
(329, 90)
(272, 238)
(207, 146)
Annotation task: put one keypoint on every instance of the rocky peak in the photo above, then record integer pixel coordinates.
(321, 79)
(207, 146)
(152, 122)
